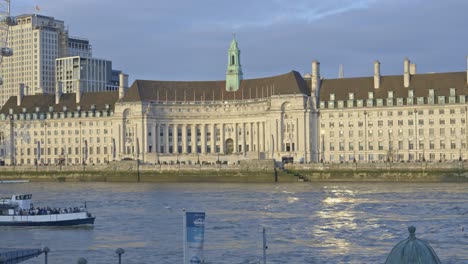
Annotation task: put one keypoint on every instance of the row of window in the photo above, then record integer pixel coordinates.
(399, 132)
(380, 123)
(441, 100)
(395, 145)
(419, 112)
(433, 157)
(90, 150)
(370, 95)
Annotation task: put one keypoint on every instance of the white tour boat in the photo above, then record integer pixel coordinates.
(18, 211)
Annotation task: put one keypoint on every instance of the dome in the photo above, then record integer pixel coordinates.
(412, 251)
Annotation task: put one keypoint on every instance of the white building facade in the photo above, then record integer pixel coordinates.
(409, 118)
(161, 122)
(36, 42)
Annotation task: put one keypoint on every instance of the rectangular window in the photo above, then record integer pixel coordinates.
(442, 144)
(341, 146)
(453, 144)
(442, 131)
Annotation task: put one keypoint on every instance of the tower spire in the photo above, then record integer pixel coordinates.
(234, 69)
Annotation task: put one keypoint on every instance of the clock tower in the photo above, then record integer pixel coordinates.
(234, 70)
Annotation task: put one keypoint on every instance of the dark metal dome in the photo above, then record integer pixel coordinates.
(412, 251)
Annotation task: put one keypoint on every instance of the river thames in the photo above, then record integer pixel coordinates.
(305, 222)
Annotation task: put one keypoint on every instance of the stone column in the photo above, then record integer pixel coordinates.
(236, 141)
(276, 136)
(213, 139)
(175, 139)
(203, 138)
(297, 148)
(194, 138)
(156, 138)
(251, 143)
(135, 141)
(281, 134)
(257, 138)
(166, 137)
(262, 135)
(244, 138)
(222, 139)
(151, 140)
(184, 139)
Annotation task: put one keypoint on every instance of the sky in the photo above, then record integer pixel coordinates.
(188, 39)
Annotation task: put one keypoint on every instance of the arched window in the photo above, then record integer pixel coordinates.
(232, 60)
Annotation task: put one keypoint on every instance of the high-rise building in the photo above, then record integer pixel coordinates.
(79, 47)
(36, 42)
(94, 74)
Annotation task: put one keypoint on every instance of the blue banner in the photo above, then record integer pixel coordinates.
(194, 236)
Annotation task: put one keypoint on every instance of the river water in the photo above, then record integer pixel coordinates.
(305, 222)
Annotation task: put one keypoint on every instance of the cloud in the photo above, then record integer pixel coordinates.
(188, 40)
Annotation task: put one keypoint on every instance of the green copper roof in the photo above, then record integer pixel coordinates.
(233, 45)
(412, 251)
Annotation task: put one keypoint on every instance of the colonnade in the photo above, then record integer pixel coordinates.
(173, 138)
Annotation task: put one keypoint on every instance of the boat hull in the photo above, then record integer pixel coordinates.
(70, 222)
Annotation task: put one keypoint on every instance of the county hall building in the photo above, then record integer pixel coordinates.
(288, 118)
(163, 121)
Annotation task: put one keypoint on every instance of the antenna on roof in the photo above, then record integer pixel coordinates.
(341, 73)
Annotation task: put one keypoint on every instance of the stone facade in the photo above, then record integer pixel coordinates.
(163, 122)
(417, 117)
(409, 117)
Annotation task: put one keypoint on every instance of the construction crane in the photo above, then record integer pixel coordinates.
(5, 22)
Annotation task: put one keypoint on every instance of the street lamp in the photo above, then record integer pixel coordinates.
(119, 252)
(46, 251)
(82, 261)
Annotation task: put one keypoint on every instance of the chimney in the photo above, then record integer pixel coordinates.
(123, 84)
(376, 74)
(20, 95)
(78, 92)
(315, 76)
(412, 69)
(406, 75)
(58, 92)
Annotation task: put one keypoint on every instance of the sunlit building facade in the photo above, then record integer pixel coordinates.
(163, 122)
(409, 117)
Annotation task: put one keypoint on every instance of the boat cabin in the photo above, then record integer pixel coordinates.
(10, 206)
